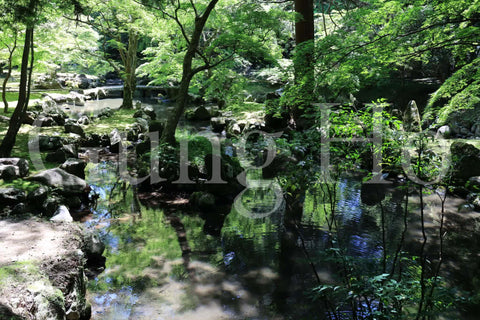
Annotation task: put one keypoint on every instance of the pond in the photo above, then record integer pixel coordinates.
(163, 263)
(166, 261)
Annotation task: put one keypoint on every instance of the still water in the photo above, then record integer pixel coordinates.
(162, 263)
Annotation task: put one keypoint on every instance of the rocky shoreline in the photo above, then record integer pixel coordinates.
(43, 268)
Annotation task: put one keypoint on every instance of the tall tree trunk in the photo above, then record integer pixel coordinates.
(9, 73)
(303, 59)
(168, 134)
(304, 27)
(130, 62)
(23, 96)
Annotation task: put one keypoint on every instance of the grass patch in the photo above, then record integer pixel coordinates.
(27, 186)
(244, 110)
(120, 120)
(13, 96)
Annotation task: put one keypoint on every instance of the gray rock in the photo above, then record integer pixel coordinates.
(132, 134)
(443, 132)
(57, 156)
(70, 150)
(59, 118)
(93, 245)
(29, 118)
(62, 215)
(198, 114)
(115, 140)
(11, 196)
(47, 143)
(50, 205)
(149, 111)
(20, 164)
(84, 120)
(75, 166)
(46, 81)
(218, 124)
(38, 196)
(411, 118)
(140, 114)
(76, 98)
(19, 209)
(65, 182)
(74, 128)
(234, 129)
(43, 121)
(465, 162)
(143, 124)
(8, 172)
(105, 113)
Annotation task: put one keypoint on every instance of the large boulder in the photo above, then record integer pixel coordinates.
(62, 154)
(47, 143)
(46, 81)
(20, 167)
(76, 99)
(465, 162)
(75, 167)
(9, 196)
(58, 178)
(198, 114)
(74, 128)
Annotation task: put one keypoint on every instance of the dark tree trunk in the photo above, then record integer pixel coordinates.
(304, 27)
(23, 96)
(9, 73)
(303, 59)
(168, 134)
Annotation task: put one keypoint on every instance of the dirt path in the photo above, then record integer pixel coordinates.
(33, 239)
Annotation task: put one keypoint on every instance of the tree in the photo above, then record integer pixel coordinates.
(9, 40)
(28, 13)
(192, 40)
(401, 39)
(235, 31)
(303, 88)
(121, 24)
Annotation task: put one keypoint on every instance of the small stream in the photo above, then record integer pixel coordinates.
(163, 264)
(159, 267)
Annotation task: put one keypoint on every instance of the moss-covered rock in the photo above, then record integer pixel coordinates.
(457, 102)
(465, 162)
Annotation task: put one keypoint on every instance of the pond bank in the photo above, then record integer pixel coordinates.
(42, 270)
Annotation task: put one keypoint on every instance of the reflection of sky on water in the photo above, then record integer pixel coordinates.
(351, 210)
(101, 178)
(115, 305)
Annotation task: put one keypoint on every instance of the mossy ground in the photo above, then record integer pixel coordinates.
(120, 120)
